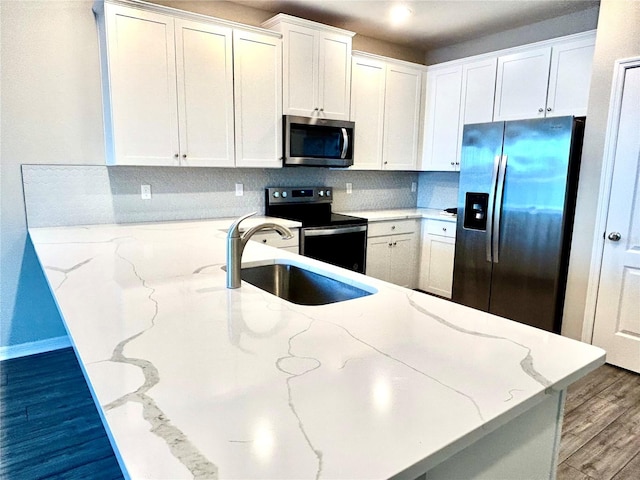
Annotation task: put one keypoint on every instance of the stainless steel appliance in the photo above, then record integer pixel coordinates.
(331, 237)
(516, 201)
(317, 142)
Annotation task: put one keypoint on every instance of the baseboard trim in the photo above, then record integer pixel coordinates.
(32, 348)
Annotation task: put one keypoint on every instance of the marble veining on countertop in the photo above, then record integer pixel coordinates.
(195, 380)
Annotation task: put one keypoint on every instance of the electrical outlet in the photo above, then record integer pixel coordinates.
(239, 189)
(145, 192)
(349, 188)
(414, 187)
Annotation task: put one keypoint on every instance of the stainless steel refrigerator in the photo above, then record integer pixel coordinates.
(518, 183)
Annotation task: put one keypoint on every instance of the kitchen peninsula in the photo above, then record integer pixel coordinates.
(196, 380)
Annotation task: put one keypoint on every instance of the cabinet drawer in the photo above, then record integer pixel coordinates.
(377, 229)
(273, 239)
(441, 227)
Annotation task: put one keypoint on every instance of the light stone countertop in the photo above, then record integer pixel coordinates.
(194, 379)
(402, 214)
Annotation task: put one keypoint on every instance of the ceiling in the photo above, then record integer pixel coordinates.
(433, 23)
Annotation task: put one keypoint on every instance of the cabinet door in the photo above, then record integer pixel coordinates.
(258, 99)
(300, 82)
(205, 94)
(570, 78)
(436, 273)
(442, 119)
(478, 91)
(367, 111)
(404, 260)
(521, 85)
(378, 257)
(143, 96)
(401, 118)
(334, 85)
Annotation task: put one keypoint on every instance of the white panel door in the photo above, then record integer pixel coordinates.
(521, 85)
(144, 104)
(204, 62)
(442, 119)
(300, 70)
(401, 118)
(570, 78)
(617, 321)
(334, 84)
(258, 99)
(367, 111)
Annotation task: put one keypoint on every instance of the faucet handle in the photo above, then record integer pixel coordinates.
(234, 229)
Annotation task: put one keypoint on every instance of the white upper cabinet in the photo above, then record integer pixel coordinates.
(258, 99)
(546, 81)
(170, 97)
(401, 117)
(478, 89)
(142, 100)
(521, 84)
(316, 67)
(570, 78)
(367, 111)
(456, 94)
(385, 106)
(442, 118)
(204, 62)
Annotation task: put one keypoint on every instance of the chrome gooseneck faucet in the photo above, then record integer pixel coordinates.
(237, 242)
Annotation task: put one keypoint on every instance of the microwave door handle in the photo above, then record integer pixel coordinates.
(345, 143)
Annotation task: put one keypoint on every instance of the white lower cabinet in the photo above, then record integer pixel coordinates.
(436, 256)
(392, 248)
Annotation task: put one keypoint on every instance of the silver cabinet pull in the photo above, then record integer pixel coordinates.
(614, 236)
(176, 155)
(548, 109)
(540, 110)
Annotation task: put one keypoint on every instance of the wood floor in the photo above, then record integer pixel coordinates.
(601, 428)
(49, 425)
(50, 428)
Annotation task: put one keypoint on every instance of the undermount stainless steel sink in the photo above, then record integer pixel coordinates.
(299, 285)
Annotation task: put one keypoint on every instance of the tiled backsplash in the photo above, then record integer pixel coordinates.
(58, 195)
(438, 189)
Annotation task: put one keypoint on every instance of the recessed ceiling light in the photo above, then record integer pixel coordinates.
(399, 13)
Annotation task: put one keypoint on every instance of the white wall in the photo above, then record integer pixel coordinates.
(555, 27)
(50, 113)
(618, 37)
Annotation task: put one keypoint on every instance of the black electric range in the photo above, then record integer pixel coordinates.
(331, 237)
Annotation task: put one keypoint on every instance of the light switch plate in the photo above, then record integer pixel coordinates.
(239, 189)
(349, 188)
(414, 187)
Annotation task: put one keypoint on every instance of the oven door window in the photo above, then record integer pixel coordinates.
(345, 247)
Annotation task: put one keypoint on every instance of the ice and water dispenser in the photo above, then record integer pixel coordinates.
(475, 211)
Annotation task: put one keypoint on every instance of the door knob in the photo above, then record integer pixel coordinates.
(614, 236)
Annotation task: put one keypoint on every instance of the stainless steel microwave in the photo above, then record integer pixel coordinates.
(317, 142)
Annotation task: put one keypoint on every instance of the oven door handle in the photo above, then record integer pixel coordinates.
(317, 232)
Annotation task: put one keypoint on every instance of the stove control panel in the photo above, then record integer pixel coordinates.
(280, 195)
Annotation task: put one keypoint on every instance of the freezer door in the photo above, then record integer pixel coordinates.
(526, 279)
(481, 152)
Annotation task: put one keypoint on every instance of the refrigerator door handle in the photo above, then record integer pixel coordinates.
(502, 171)
(492, 196)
